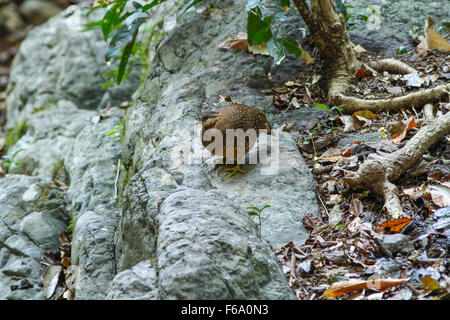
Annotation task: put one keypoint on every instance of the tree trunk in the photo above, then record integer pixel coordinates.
(329, 33)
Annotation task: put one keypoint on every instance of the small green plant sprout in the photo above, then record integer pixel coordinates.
(401, 50)
(331, 114)
(255, 211)
(8, 161)
(331, 117)
(116, 133)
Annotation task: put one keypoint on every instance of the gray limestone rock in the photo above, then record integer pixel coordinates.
(389, 27)
(396, 243)
(220, 258)
(57, 62)
(92, 167)
(28, 229)
(55, 88)
(137, 283)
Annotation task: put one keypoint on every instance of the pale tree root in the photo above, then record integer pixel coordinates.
(340, 82)
(379, 171)
(392, 66)
(415, 99)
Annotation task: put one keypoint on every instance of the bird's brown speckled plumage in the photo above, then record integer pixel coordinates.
(234, 116)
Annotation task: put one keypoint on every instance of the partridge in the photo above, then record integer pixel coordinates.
(234, 116)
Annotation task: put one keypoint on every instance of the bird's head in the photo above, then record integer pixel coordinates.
(208, 119)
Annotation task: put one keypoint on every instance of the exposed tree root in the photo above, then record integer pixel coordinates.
(328, 31)
(428, 111)
(415, 99)
(393, 66)
(378, 171)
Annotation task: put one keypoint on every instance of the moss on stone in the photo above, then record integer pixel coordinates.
(59, 172)
(40, 109)
(14, 134)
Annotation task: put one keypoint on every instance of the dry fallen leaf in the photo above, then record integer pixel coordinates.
(68, 295)
(394, 90)
(352, 123)
(366, 114)
(434, 39)
(362, 73)
(356, 207)
(63, 239)
(431, 40)
(50, 279)
(330, 158)
(239, 42)
(399, 136)
(422, 48)
(65, 260)
(342, 287)
(310, 221)
(415, 192)
(359, 48)
(429, 284)
(294, 103)
(394, 226)
(292, 84)
(440, 195)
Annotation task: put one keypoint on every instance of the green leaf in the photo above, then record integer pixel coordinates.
(132, 17)
(267, 20)
(253, 208)
(285, 4)
(16, 153)
(110, 73)
(338, 108)
(292, 46)
(253, 213)
(111, 17)
(137, 5)
(252, 4)
(262, 36)
(189, 5)
(363, 17)
(122, 38)
(111, 132)
(254, 24)
(275, 48)
(152, 4)
(265, 207)
(401, 50)
(124, 60)
(107, 84)
(321, 106)
(341, 7)
(96, 24)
